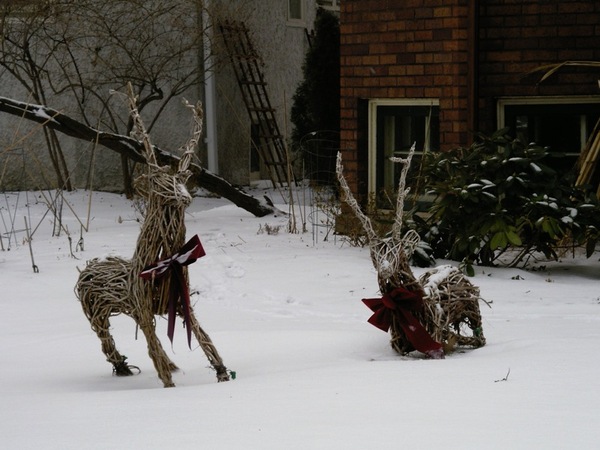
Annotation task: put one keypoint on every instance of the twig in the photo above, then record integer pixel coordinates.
(33, 266)
(505, 378)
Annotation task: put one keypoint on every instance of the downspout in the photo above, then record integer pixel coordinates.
(210, 109)
(473, 68)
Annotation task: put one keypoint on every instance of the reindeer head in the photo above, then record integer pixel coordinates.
(162, 182)
(390, 254)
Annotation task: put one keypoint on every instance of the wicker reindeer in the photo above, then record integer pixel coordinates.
(430, 314)
(154, 281)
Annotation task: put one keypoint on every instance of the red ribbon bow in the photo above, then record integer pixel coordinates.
(402, 301)
(179, 294)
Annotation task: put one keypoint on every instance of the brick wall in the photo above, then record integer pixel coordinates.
(516, 37)
(420, 49)
(404, 49)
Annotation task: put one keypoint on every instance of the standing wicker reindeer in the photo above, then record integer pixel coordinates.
(430, 314)
(113, 286)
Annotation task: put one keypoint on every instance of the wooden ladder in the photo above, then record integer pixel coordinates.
(247, 65)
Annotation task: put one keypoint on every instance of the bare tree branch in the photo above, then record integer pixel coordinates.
(133, 149)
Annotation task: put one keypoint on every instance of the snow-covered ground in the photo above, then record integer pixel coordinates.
(284, 312)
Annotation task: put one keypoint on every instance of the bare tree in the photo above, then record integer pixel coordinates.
(26, 56)
(78, 51)
(152, 45)
(132, 149)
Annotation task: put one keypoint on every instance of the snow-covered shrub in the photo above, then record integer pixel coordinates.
(500, 195)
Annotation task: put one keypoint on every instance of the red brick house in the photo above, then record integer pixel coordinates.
(433, 72)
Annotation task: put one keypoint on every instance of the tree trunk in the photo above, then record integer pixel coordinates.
(133, 149)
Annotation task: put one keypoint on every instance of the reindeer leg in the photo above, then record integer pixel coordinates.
(162, 363)
(101, 326)
(171, 365)
(209, 349)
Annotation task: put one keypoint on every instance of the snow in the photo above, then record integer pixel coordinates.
(284, 312)
(566, 219)
(438, 275)
(40, 111)
(572, 211)
(552, 205)
(535, 167)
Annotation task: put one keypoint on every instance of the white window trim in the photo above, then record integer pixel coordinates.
(331, 5)
(301, 22)
(550, 100)
(372, 127)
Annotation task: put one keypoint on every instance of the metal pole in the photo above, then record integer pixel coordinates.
(210, 95)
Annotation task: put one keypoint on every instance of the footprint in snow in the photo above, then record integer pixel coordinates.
(234, 271)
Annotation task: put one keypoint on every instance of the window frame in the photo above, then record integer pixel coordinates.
(330, 5)
(373, 106)
(504, 102)
(296, 21)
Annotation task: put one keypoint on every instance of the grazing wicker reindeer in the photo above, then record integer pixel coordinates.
(113, 286)
(427, 314)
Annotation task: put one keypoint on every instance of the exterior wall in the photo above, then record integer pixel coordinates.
(25, 163)
(281, 44)
(465, 53)
(516, 37)
(24, 160)
(412, 49)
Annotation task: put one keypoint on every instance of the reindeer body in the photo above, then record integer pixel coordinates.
(113, 286)
(450, 301)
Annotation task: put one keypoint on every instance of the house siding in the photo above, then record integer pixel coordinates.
(282, 47)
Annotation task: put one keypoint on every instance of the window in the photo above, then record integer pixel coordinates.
(296, 11)
(563, 124)
(394, 125)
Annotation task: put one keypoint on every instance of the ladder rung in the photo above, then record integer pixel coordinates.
(253, 109)
(246, 56)
(253, 83)
(254, 92)
(270, 136)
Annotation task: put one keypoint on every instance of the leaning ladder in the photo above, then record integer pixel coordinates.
(247, 65)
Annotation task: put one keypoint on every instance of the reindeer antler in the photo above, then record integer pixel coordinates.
(402, 190)
(351, 201)
(192, 143)
(139, 126)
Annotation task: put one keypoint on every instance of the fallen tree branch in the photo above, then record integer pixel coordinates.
(133, 149)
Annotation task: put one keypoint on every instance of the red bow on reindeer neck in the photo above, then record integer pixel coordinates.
(402, 301)
(179, 294)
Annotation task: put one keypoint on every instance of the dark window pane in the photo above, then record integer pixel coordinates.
(398, 127)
